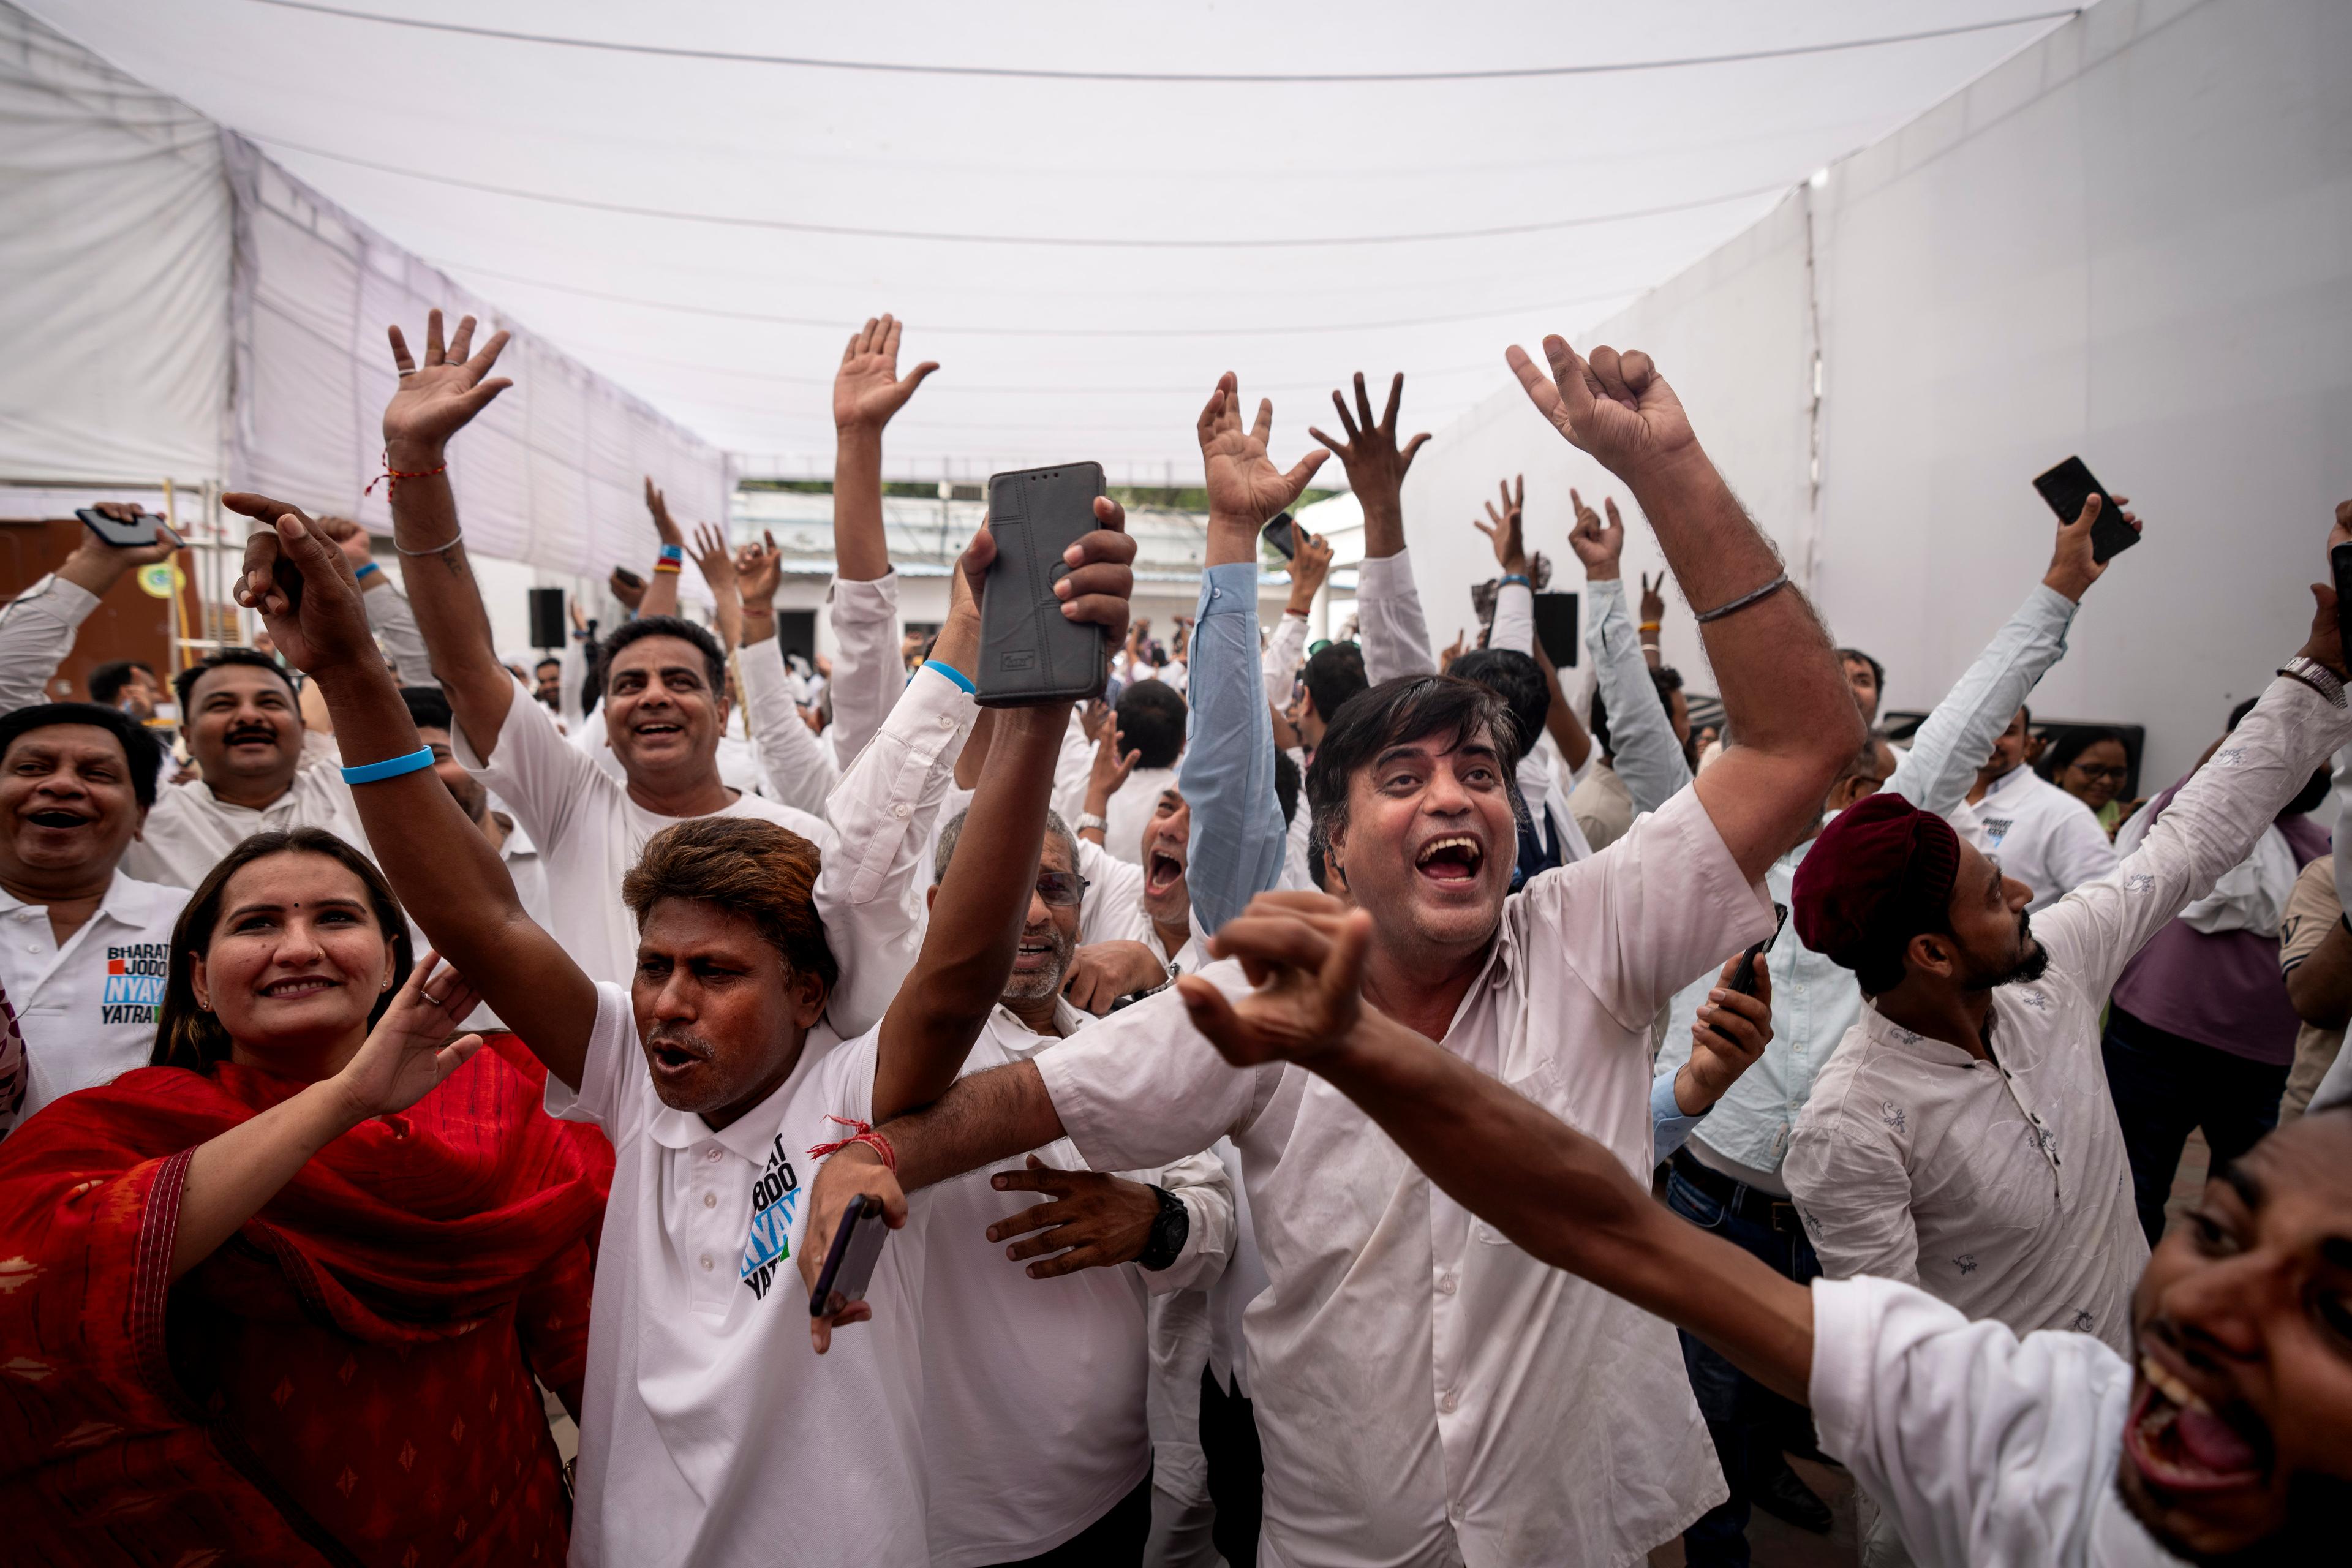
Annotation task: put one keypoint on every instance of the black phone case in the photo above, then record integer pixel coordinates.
(2339, 566)
(2067, 487)
(849, 1265)
(1029, 651)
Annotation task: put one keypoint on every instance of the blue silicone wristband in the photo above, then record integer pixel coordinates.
(672, 552)
(366, 567)
(389, 768)
(953, 673)
(1515, 577)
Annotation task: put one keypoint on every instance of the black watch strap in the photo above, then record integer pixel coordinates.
(1169, 1231)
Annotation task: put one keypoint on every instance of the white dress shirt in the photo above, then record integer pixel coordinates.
(2002, 1186)
(869, 890)
(37, 628)
(709, 1434)
(1285, 649)
(794, 763)
(1427, 1392)
(190, 828)
(1034, 1390)
(87, 1008)
(2041, 835)
(1982, 1449)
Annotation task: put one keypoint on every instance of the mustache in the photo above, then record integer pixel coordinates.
(678, 1036)
(250, 732)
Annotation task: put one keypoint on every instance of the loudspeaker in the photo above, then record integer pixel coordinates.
(547, 619)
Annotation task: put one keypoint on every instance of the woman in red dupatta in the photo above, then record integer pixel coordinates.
(282, 1299)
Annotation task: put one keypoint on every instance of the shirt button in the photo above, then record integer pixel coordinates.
(1445, 1284)
(712, 1154)
(706, 1262)
(1447, 1401)
(710, 1200)
(947, 722)
(900, 809)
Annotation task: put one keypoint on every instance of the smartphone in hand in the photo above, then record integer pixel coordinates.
(1278, 533)
(2067, 487)
(1029, 651)
(849, 1262)
(136, 534)
(1743, 979)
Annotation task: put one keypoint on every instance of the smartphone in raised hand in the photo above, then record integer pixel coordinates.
(1029, 651)
(135, 534)
(1279, 534)
(2067, 487)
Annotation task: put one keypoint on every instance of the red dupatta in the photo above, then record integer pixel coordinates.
(411, 1267)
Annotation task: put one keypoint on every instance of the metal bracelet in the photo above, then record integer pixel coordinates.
(1741, 602)
(435, 550)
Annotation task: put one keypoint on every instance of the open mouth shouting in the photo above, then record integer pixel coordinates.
(674, 1057)
(1162, 871)
(2182, 1446)
(1453, 861)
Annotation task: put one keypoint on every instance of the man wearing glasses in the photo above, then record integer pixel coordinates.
(1036, 1365)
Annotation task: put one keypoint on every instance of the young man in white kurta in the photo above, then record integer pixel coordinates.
(2002, 1184)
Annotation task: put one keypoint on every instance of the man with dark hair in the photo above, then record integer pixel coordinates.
(129, 684)
(1962, 1137)
(1422, 1391)
(256, 773)
(1332, 674)
(1868, 679)
(2042, 836)
(547, 684)
(82, 945)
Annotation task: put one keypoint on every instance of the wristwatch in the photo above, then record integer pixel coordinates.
(2316, 676)
(1099, 824)
(1169, 1229)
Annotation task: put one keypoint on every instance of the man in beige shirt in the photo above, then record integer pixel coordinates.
(2315, 956)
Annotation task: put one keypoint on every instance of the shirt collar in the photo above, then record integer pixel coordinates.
(1880, 1030)
(1021, 1042)
(115, 904)
(2002, 785)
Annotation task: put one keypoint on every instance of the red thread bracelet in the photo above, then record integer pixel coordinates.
(389, 473)
(864, 1134)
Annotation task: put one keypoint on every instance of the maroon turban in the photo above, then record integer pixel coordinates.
(1881, 872)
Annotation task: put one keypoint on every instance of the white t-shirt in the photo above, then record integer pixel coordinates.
(589, 832)
(87, 1009)
(2041, 835)
(711, 1433)
(1984, 1451)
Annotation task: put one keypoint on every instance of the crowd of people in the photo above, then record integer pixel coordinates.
(1336, 1102)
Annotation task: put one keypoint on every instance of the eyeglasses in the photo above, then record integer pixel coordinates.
(2100, 771)
(1060, 889)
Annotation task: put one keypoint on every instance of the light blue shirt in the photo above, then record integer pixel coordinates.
(1642, 744)
(1227, 774)
(1814, 1002)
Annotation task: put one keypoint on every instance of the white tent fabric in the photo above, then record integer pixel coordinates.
(701, 201)
(114, 250)
(2133, 242)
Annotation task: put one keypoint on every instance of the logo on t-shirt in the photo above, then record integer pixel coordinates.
(1997, 827)
(134, 983)
(773, 1199)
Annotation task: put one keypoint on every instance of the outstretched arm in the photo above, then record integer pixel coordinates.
(660, 596)
(1640, 735)
(1785, 699)
(1387, 604)
(800, 772)
(445, 871)
(1553, 1190)
(868, 391)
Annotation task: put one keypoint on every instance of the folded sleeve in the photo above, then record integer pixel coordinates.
(610, 1067)
(1395, 637)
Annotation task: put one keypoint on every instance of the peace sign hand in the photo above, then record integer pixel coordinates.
(437, 398)
(1653, 598)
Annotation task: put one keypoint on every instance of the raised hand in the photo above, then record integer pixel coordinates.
(1452, 651)
(1305, 954)
(1110, 767)
(1243, 484)
(868, 389)
(1728, 1035)
(1600, 546)
(95, 565)
(329, 628)
(1653, 598)
(1095, 589)
(1615, 407)
(714, 558)
(1102, 1221)
(2073, 568)
(658, 505)
(1503, 530)
(627, 587)
(411, 1048)
(437, 398)
(2326, 644)
(1376, 469)
(1095, 718)
(1311, 565)
(759, 570)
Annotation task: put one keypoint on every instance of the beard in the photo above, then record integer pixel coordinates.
(2027, 965)
(1037, 985)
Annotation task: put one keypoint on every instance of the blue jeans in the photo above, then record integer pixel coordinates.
(1746, 1419)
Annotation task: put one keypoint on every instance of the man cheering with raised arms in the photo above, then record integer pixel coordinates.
(1425, 1392)
(710, 1435)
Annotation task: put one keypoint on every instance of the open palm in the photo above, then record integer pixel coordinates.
(868, 388)
(410, 1049)
(438, 396)
(1243, 480)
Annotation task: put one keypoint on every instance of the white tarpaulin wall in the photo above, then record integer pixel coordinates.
(178, 306)
(2133, 241)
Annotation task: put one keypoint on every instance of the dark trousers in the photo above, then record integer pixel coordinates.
(1749, 1423)
(1236, 1470)
(1114, 1540)
(2163, 1086)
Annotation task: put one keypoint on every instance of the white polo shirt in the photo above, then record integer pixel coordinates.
(189, 829)
(1980, 1447)
(88, 1008)
(710, 1433)
(2041, 835)
(1033, 1389)
(1427, 1392)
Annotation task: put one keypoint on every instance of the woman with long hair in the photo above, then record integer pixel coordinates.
(280, 1298)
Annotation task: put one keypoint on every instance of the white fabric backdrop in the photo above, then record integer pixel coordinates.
(2133, 241)
(114, 269)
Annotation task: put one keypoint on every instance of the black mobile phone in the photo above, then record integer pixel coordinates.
(1743, 979)
(849, 1262)
(2067, 487)
(1029, 651)
(1278, 533)
(131, 535)
(2339, 562)
(1558, 628)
